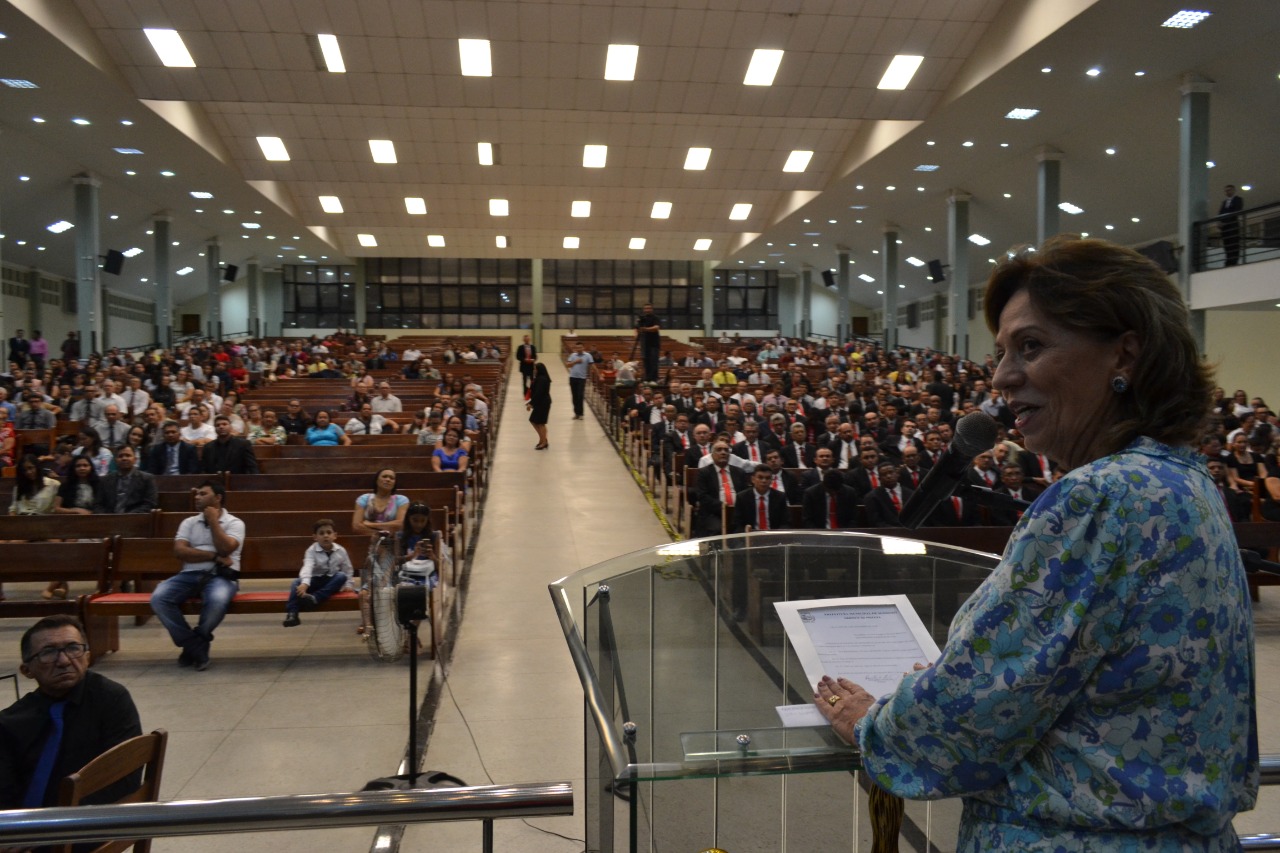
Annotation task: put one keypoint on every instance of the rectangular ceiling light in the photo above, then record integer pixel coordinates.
(383, 150)
(484, 151)
(900, 72)
(1185, 20)
(18, 83)
(367, 240)
(868, 279)
(620, 62)
(580, 209)
(571, 242)
(128, 150)
(500, 241)
(330, 204)
(797, 161)
(1022, 113)
(978, 240)
(332, 54)
(59, 226)
(636, 243)
(132, 253)
(1068, 207)
(170, 48)
(201, 194)
(927, 167)
(762, 68)
(661, 210)
(697, 159)
(915, 262)
(498, 207)
(186, 271)
(435, 241)
(415, 206)
(474, 54)
(273, 148)
(594, 156)
(740, 211)
(702, 244)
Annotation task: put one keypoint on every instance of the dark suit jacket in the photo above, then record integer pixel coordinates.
(188, 459)
(944, 515)
(890, 447)
(526, 351)
(139, 495)
(907, 481)
(693, 456)
(789, 452)
(746, 510)
(972, 477)
(743, 452)
(860, 481)
(791, 485)
(1009, 517)
(810, 478)
(880, 509)
(1030, 464)
(235, 457)
(815, 507)
(707, 486)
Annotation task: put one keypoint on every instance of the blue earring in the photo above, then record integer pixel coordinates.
(1119, 384)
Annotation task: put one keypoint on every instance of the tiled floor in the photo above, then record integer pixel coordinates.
(306, 710)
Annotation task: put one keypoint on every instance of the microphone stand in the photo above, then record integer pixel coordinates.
(990, 498)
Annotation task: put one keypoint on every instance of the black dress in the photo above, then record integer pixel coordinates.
(540, 399)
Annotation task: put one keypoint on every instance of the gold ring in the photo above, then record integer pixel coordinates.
(833, 699)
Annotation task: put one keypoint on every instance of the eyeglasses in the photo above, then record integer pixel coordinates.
(49, 654)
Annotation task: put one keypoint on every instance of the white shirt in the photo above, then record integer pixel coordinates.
(320, 563)
(136, 402)
(195, 531)
(390, 403)
(192, 435)
(411, 354)
(356, 426)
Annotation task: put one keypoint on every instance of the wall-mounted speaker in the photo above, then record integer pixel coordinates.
(828, 278)
(935, 271)
(113, 263)
(229, 272)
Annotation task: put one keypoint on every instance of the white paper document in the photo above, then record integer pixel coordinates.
(799, 716)
(871, 640)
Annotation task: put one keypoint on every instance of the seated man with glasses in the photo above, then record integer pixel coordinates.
(71, 718)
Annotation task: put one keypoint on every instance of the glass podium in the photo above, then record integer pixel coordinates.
(683, 663)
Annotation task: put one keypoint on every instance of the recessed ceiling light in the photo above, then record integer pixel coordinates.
(831, 222)
(1093, 72)
(1210, 164)
(273, 148)
(367, 240)
(797, 161)
(926, 228)
(661, 210)
(571, 242)
(166, 173)
(484, 152)
(594, 156)
(1022, 113)
(59, 226)
(230, 212)
(170, 48)
(702, 244)
(636, 243)
(132, 253)
(1068, 207)
(37, 119)
(500, 241)
(978, 240)
(1046, 70)
(498, 207)
(1111, 151)
(414, 205)
(22, 242)
(332, 54)
(900, 71)
(620, 62)
(149, 232)
(83, 122)
(763, 67)
(114, 217)
(868, 279)
(383, 150)
(968, 143)
(1186, 19)
(890, 188)
(126, 122)
(1139, 74)
(1134, 219)
(697, 159)
(475, 57)
(24, 178)
(252, 226)
(740, 211)
(176, 243)
(1246, 187)
(130, 172)
(1110, 227)
(580, 209)
(201, 194)
(330, 204)
(186, 270)
(1008, 195)
(915, 262)
(927, 167)
(436, 241)
(920, 189)
(15, 83)
(1084, 233)
(1004, 145)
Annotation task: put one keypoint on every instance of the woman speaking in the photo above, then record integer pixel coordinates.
(1096, 691)
(539, 404)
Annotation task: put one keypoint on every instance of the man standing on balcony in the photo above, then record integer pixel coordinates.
(1230, 225)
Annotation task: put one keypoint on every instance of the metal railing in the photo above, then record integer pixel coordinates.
(63, 825)
(1246, 237)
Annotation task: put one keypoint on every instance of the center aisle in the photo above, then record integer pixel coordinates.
(547, 514)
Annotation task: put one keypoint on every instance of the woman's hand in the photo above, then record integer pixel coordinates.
(843, 703)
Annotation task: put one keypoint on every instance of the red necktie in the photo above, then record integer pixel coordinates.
(727, 486)
(897, 504)
(915, 479)
(955, 502)
(755, 456)
(762, 515)
(875, 481)
(706, 449)
(833, 520)
(684, 440)
(777, 484)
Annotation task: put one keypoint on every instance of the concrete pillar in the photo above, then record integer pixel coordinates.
(536, 279)
(163, 310)
(788, 315)
(1193, 181)
(362, 295)
(844, 279)
(34, 310)
(213, 284)
(957, 341)
(1048, 192)
(708, 296)
(806, 301)
(89, 318)
(272, 301)
(889, 275)
(253, 280)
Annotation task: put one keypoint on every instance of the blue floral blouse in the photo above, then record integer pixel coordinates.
(1096, 692)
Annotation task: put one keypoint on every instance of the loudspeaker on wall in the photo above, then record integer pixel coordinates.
(113, 263)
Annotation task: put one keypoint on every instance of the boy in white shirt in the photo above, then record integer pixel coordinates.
(325, 569)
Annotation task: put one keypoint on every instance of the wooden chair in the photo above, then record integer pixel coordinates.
(145, 753)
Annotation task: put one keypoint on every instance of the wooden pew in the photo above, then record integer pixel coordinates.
(40, 527)
(340, 463)
(44, 562)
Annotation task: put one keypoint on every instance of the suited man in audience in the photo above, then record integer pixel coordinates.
(912, 473)
(700, 448)
(884, 504)
(783, 480)
(831, 437)
(866, 476)
(845, 450)
(112, 429)
(1037, 467)
(716, 486)
(823, 461)
(526, 357)
(907, 436)
(830, 505)
(95, 713)
(229, 453)
(955, 512)
(751, 448)
(678, 438)
(798, 452)
(761, 506)
(1014, 484)
(983, 471)
(172, 455)
(127, 489)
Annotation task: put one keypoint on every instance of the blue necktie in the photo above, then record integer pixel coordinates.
(44, 768)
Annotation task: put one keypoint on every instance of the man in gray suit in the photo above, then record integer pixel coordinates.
(128, 488)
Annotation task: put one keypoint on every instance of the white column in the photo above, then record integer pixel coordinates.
(1193, 181)
(889, 276)
(958, 294)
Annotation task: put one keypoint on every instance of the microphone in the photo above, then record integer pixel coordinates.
(975, 433)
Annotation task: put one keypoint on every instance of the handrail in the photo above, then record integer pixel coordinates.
(63, 825)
